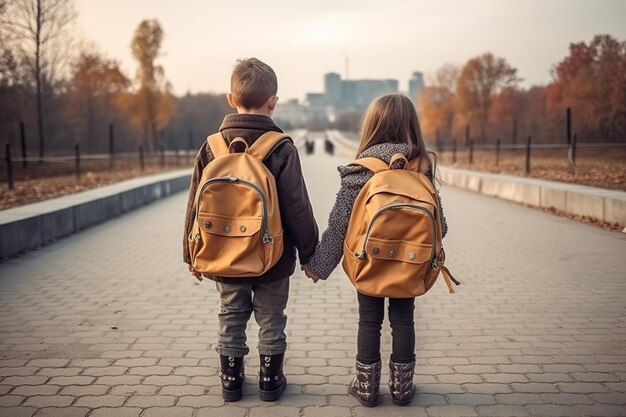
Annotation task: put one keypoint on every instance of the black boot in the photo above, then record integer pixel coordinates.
(232, 375)
(365, 385)
(272, 381)
(401, 383)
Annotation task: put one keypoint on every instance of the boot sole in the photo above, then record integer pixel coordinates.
(272, 395)
(363, 402)
(231, 396)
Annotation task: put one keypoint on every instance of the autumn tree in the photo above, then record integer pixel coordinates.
(152, 105)
(591, 80)
(94, 86)
(480, 80)
(40, 30)
(436, 102)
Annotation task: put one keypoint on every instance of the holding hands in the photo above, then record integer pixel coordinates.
(310, 274)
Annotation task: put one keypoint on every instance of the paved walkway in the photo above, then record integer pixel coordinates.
(108, 323)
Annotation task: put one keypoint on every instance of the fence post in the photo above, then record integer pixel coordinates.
(467, 135)
(7, 155)
(141, 157)
(162, 156)
(23, 141)
(497, 152)
(568, 124)
(571, 155)
(471, 151)
(176, 158)
(77, 156)
(111, 146)
(454, 151)
(528, 155)
(514, 132)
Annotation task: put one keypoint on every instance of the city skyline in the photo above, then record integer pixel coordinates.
(356, 40)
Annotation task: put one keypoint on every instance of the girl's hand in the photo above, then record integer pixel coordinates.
(310, 274)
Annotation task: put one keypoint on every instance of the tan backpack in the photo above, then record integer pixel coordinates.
(393, 244)
(237, 230)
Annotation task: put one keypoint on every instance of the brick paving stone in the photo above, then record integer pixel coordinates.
(423, 399)
(180, 390)
(601, 410)
(609, 398)
(97, 401)
(116, 412)
(520, 398)
(24, 380)
(18, 370)
(581, 387)
(17, 411)
(327, 411)
(30, 390)
(276, 411)
(552, 410)
(40, 401)
(487, 388)
(80, 390)
(451, 411)
(226, 411)
(150, 401)
(151, 370)
(471, 399)
(501, 410)
(11, 400)
(119, 380)
(51, 372)
(63, 412)
(168, 412)
(72, 380)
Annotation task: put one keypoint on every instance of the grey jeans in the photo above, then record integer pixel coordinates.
(238, 301)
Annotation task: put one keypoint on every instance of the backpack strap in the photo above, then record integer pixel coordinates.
(267, 143)
(373, 164)
(217, 144)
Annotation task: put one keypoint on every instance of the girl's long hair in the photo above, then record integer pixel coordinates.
(392, 119)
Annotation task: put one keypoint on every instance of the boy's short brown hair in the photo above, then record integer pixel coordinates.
(252, 83)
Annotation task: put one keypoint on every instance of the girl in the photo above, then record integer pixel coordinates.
(390, 126)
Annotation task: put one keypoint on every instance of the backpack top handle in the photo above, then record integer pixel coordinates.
(232, 149)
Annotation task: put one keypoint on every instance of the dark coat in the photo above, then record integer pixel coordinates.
(300, 228)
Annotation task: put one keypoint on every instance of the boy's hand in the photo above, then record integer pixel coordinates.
(310, 274)
(195, 273)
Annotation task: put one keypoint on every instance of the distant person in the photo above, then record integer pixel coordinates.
(253, 94)
(390, 126)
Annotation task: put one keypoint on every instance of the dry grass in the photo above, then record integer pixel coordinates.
(44, 181)
(604, 168)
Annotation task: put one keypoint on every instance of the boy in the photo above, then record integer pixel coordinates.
(253, 95)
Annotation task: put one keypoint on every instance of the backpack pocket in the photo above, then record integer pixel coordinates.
(229, 246)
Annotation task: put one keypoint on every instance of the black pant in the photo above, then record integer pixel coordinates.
(371, 314)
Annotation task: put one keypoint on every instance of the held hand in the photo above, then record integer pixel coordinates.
(195, 273)
(310, 274)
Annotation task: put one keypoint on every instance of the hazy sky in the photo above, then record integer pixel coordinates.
(302, 40)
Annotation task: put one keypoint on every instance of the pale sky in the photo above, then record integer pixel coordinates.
(303, 40)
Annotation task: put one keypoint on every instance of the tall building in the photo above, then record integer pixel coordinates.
(416, 84)
(354, 94)
(332, 88)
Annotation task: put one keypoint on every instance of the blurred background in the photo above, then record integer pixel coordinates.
(93, 92)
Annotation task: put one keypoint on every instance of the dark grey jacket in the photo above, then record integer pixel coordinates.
(353, 177)
(300, 228)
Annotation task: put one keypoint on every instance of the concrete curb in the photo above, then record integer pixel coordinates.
(599, 203)
(27, 227)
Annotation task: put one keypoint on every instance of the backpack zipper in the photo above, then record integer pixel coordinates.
(266, 237)
(378, 212)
